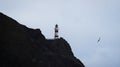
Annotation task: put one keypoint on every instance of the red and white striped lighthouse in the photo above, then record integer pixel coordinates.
(56, 32)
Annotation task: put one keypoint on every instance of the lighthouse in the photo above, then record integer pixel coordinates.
(56, 32)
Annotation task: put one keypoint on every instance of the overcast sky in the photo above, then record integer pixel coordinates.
(81, 23)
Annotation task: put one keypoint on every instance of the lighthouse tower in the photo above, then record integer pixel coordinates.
(56, 32)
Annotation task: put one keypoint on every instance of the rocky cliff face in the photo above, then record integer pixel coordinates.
(25, 47)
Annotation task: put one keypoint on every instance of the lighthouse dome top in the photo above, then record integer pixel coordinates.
(56, 25)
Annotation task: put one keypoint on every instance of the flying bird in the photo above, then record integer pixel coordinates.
(99, 40)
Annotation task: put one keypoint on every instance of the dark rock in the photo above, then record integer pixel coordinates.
(21, 46)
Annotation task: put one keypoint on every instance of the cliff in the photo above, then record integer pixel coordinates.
(21, 46)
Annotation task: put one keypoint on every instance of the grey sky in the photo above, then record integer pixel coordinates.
(81, 23)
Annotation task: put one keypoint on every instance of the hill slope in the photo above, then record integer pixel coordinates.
(25, 47)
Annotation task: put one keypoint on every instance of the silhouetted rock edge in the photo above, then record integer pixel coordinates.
(21, 46)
